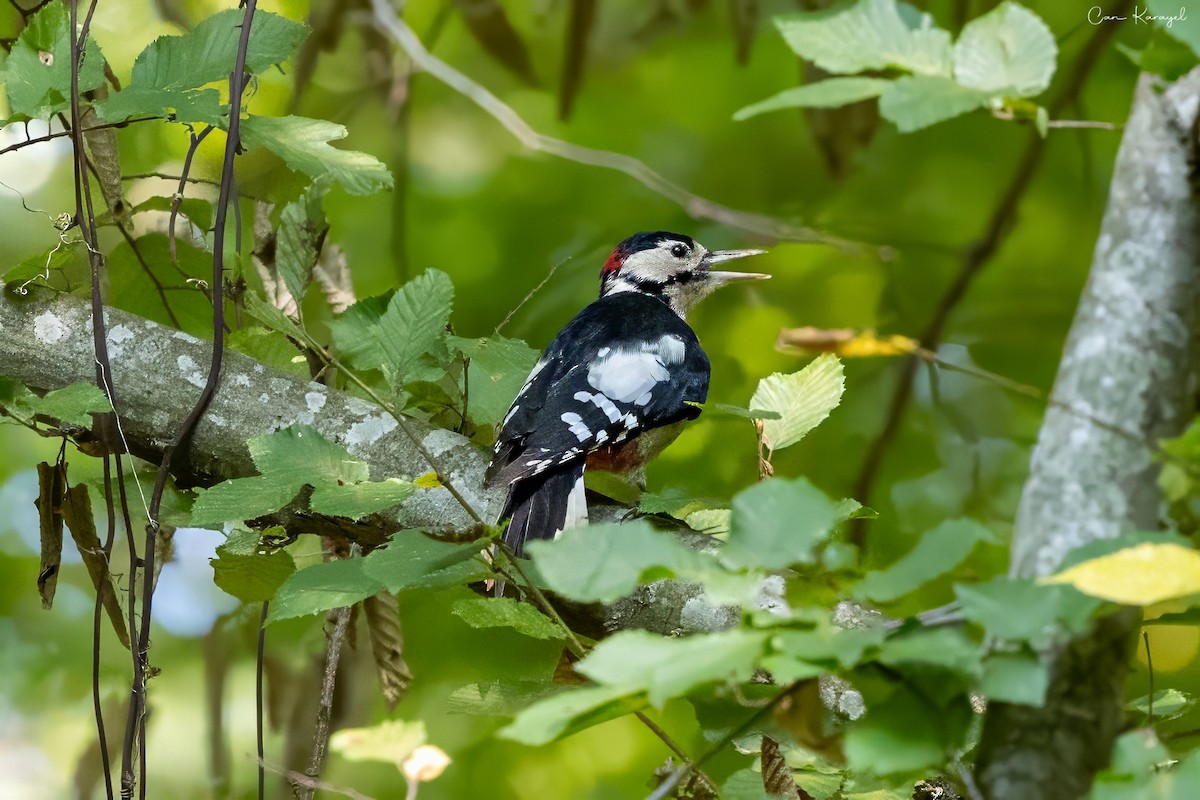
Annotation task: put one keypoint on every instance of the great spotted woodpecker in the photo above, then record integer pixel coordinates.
(625, 365)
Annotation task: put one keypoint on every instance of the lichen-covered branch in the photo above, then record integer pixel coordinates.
(1128, 362)
(45, 343)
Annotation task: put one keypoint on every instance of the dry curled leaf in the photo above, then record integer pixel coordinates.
(52, 483)
(844, 342)
(387, 646)
(776, 774)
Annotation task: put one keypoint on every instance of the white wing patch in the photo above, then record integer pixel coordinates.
(582, 432)
(629, 376)
(601, 402)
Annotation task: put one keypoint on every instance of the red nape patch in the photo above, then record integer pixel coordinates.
(615, 258)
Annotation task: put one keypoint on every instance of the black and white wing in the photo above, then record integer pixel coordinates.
(624, 365)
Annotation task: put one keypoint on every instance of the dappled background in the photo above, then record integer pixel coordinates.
(973, 236)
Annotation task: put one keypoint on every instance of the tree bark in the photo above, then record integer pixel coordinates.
(1125, 381)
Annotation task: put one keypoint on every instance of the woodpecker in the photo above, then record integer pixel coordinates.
(613, 388)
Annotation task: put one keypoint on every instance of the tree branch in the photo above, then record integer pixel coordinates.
(1129, 360)
(770, 228)
(46, 344)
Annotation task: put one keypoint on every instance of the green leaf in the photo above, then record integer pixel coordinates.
(300, 455)
(777, 523)
(1164, 55)
(916, 102)
(240, 499)
(498, 698)
(206, 53)
(72, 404)
(1019, 610)
(829, 646)
(251, 578)
(803, 400)
(413, 560)
(414, 322)
(745, 784)
(497, 371)
(900, 734)
(303, 144)
(133, 288)
(936, 647)
(939, 551)
(357, 500)
(828, 93)
(667, 667)
(271, 316)
(301, 228)
(501, 612)
(320, 587)
(354, 333)
(868, 35)
(1008, 51)
(201, 106)
(197, 211)
(1185, 30)
(1015, 678)
(569, 712)
(1142, 575)
(169, 72)
(243, 542)
(37, 72)
(1168, 704)
(602, 563)
(40, 265)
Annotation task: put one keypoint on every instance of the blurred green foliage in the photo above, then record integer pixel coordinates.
(658, 81)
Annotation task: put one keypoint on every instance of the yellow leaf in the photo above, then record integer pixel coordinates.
(428, 481)
(845, 342)
(392, 741)
(1143, 575)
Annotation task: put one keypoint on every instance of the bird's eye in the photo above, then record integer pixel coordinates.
(679, 251)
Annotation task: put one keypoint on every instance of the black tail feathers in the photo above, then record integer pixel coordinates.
(542, 506)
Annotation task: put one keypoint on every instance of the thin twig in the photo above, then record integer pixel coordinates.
(316, 759)
(968, 781)
(760, 225)
(975, 258)
(1082, 123)
(258, 697)
(61, 134)
(167, 176)
(85, 218)
(1150, 677)
(300, 779)
(194, 142)
(532, 292)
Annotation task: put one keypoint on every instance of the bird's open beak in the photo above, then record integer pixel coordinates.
(720, 257)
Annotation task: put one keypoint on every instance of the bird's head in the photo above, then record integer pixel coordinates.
(670, 266)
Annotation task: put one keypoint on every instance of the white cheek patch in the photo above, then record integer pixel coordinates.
(601, 402)
(582, 432)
